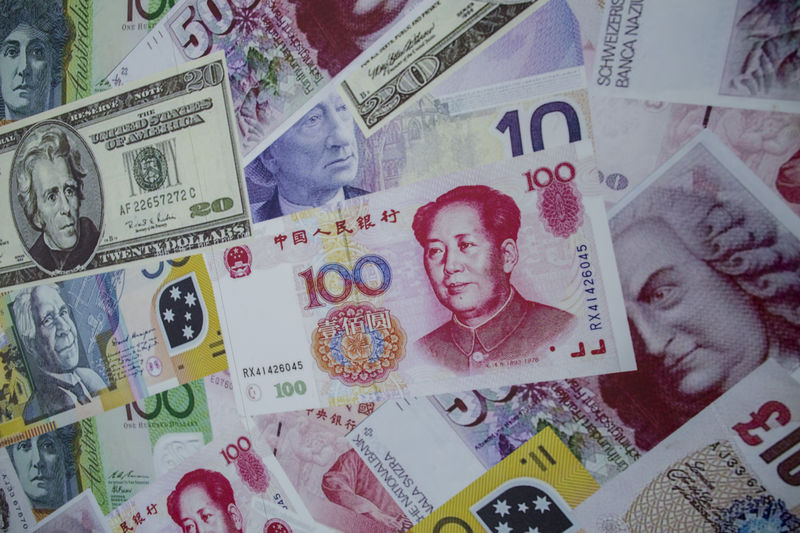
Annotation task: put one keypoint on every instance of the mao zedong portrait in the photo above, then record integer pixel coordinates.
(203, 502)
(45, 468)
(711, 289)
(33, 34)
(469, 241)
(49, 175)
(314, 162)
(53, 351)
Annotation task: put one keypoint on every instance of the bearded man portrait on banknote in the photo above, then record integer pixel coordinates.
(53, 352)
(469, 240)
(712, 290)
(314, 162)
(33, 34)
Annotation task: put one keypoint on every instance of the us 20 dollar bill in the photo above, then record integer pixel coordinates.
(147, 170)
(420, 290)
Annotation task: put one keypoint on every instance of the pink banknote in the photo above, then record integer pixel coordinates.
(221, 485)
(487, 277)
(651, 131)
(338, 487)
(708, 259)
(279, 52)
(733, 467)
(80, 514)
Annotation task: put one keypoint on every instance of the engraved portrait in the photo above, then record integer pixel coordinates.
(61, 373)
(341, 29)
(762, 58)
(56, 197)
(315, 163)
(46, 469)
(469, 240)
(203, 501)
(33, 37)
(711, 283)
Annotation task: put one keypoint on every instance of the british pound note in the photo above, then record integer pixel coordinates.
(80, 514)
(77, 348)
(721, 53)
(536, 488)
(485, 277)
(56, 52)
(147, 170)
(215, 487)
(699, 237)
(733, 467)
(119, 453)
(279, 52)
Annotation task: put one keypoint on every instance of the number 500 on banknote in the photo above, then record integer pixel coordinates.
(145, 170)
(489, 277)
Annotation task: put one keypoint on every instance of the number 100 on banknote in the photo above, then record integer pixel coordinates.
(488, 277)
(145, 170)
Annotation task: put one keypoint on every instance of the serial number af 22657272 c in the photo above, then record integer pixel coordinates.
(252, 371)
(158, 200)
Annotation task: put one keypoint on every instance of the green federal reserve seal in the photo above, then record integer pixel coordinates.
(150, 168)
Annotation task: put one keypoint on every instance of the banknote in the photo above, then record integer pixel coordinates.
(340, 490)
(143, 171)
(280, 52)
(532, 101)
(15, 510)
(536, 488)
(215, 488)
(385, 297)
(652, 130)
(81, 513)
(424, 51)
(57, 51)
(702, 236)
(733, 467)
(118, 453)
(484, 426)
(80, 347)
(733, 54)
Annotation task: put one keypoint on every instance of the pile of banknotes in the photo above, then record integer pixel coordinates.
(372, 266)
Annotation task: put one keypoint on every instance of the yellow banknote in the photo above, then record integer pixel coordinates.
(533, 489)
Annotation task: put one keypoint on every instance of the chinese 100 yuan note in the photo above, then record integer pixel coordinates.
(491, 276)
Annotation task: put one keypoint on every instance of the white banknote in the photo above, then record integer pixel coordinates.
(739, 53)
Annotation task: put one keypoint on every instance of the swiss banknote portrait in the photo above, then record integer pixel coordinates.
(762, 54)
(699, 243)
